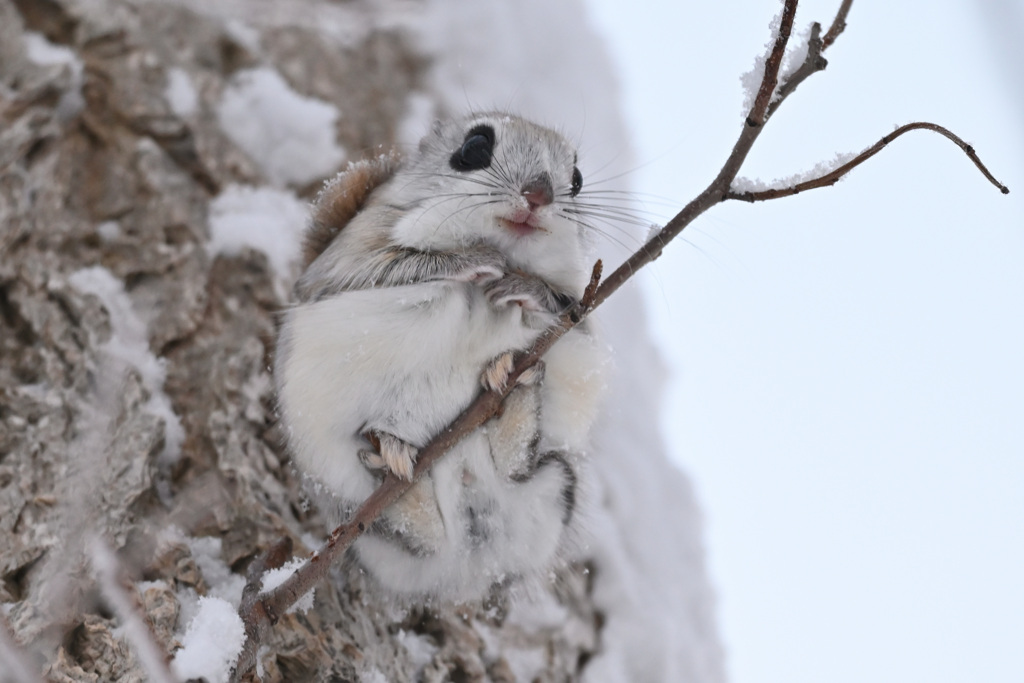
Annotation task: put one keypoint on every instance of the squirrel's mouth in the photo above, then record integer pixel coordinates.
(522, 222)
(519, 228)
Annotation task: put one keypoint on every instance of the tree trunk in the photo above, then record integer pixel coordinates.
(137, 330)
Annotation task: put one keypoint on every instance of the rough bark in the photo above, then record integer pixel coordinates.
(96, 169)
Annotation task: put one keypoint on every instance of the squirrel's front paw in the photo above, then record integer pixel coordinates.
(517, 289)
(392, 454)
(480, 265)
(495, 375)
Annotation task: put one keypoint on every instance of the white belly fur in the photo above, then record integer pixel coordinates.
(407, 360)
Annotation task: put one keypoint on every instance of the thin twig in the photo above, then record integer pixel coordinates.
(587, 301)
(255, 612)
(838, 25)
(834, 176)
(272, 558)
(263, 612)
(814, 61)
(136, 630)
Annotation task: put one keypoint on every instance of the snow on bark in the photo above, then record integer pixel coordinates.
(214, 638)
(128, 347)
(267, 219)
(289, 135)
(181, 92)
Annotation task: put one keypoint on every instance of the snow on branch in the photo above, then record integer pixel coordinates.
(259, 610)
(826, 174)
(813, 61)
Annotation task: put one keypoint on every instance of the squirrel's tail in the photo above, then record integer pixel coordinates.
(342, 198)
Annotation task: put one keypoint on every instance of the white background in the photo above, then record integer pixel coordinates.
(847, 376)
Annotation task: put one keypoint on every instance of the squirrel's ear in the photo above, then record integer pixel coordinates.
(342, 198)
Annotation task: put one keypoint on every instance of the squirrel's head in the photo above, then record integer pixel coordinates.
(495, 178)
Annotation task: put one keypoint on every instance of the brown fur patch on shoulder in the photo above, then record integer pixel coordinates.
(342, 198)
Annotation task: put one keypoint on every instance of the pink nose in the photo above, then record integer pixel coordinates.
(538, 192)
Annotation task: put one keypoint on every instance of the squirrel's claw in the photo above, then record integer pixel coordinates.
(495, 375)
(391, 454)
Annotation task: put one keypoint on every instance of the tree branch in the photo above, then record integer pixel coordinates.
(765, 94)
(261, 613)
(838, 25)
(833, 177)
(812, 63)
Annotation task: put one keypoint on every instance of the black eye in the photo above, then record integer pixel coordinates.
(476, 150)
(577, 182)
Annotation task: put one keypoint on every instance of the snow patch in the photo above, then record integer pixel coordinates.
(291, 136)
(109, 231)
(275, 577)
(44, 53)
(421, 649)
(262, 652)
(212, 643)
(375, 676)
(181, 93)
(144, 586)
(796, 53)
(41, 51)
(262, 218)
(221, 581)
(129, 344)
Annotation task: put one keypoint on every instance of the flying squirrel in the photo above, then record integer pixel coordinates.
(423, 276)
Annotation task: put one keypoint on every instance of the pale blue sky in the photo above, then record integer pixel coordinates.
(848, 381)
